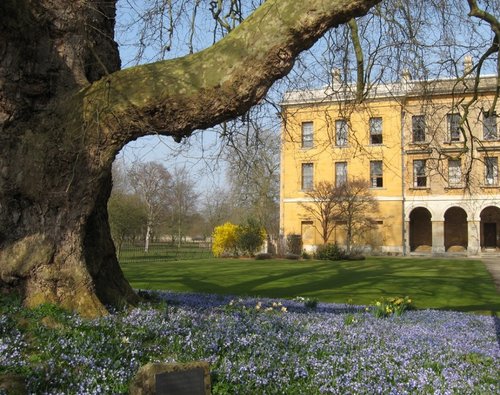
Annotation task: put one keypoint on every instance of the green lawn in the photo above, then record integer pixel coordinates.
(452, 284)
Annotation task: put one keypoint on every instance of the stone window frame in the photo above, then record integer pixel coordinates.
(420, 174)
(376, 131)
(418, 128)
(307, 176)
(340, 176)
(376, 174)
(491, 171)
(307, 138)
(341, 132)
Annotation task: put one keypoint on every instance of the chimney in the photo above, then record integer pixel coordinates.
(405, 76)
(336, 79)
(405, 79)
(467, 65)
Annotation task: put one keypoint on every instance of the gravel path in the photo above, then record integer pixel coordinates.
(493, 266)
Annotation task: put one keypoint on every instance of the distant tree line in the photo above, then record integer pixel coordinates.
(149, 203)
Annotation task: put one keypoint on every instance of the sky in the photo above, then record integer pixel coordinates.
(206, 173)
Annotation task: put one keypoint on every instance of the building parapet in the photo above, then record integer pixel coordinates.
(398, 90)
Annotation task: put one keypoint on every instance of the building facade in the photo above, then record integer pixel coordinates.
(429, 151)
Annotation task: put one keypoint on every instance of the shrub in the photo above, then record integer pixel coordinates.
(356, 257)
(310, 303)
(306, 255)
(294, 244)
(224, 240)
(263, 255)
(330, 252)
(230, 239)
(250, 236)
(292, 256)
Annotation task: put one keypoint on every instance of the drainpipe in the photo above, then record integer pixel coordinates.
(403, 175)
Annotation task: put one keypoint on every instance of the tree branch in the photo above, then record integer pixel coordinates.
(476, 12)
(201, 90)
(360, 63)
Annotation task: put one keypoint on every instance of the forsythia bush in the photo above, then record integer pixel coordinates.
(224, 239)
(233, 239)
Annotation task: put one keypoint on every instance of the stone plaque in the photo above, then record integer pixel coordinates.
(172, 379)
(181, 382)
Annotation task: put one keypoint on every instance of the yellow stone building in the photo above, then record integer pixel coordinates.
(429, 155)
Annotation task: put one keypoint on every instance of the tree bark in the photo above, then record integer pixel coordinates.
(55, 176)
(66, 110)
(148, 235)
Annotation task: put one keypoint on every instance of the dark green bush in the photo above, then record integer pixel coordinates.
(250, 236)
(292, 256)
(330, 252)
(262, 255)
(294, 244)
(311, 303)
(356, 257)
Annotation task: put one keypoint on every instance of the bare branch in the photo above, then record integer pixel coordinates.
(206, 88)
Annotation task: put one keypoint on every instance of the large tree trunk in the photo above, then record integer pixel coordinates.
(55, 180)
(66, 110)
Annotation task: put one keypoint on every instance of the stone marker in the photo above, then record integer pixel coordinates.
(12, 384)
(172, 379)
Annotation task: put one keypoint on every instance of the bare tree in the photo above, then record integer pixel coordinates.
(152, 182)
(217, 208)
(252, 155)
(127, 217)
(120, 178)
(181, 202)
(323, 206)
(422, 43)
(356, 208)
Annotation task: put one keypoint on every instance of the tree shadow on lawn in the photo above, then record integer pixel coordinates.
(362, 282)
(250, 285)
(428, 284)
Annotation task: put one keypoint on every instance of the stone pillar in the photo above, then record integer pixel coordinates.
(474, 237)
(406, 238)
(438, 237)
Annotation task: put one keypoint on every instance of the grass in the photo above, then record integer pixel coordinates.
(448, 284)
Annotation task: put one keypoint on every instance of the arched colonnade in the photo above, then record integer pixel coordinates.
(454, 228)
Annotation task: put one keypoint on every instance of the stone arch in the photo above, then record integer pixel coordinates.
(455, 230)
(490, 227)
(420, 230)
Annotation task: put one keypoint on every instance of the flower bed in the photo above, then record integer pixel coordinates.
(255, 347)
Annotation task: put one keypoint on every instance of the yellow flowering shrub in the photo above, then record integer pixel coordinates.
(231, 239)
(224, 239)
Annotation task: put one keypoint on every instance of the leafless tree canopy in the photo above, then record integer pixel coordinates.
(152, 182)
(323, 207)
(426, 40)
